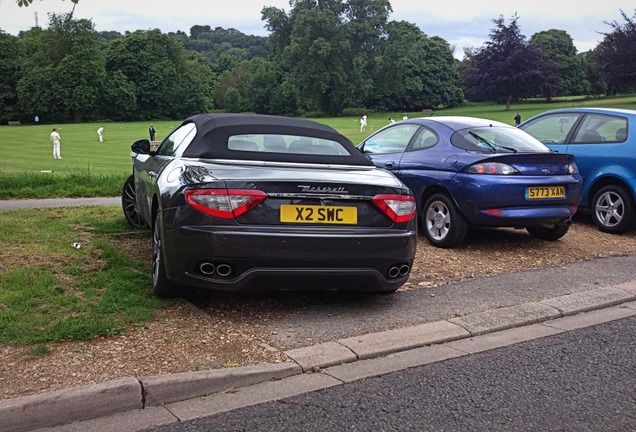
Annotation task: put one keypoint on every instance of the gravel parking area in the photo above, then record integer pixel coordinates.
(231, 332)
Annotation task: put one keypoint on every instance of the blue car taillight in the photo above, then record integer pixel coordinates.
(493, 168)
(572, 168)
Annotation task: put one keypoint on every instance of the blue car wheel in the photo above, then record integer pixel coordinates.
(443, 223)
(613, 209)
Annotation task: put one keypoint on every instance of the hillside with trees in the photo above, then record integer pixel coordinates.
(320, 58)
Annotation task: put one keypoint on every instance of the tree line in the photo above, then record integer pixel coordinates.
(322, 57)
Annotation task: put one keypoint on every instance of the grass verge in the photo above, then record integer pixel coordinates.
(82, 183)
(51, 291)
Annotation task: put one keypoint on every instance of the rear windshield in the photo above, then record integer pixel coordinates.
(286, 144)
(497, 140)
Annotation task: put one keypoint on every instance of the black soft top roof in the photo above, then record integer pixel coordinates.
(213, 131)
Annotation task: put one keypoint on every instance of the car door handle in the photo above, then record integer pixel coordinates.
(389, 164)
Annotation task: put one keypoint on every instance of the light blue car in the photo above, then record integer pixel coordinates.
(604, 143)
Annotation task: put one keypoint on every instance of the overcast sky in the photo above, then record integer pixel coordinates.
(463, 23)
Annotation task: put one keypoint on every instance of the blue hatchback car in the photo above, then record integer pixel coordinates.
(468, 171)
(604, 143)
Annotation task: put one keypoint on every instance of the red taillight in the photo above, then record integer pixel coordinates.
(224, 203)
(493, 168)
(398, 208)
(494, 212)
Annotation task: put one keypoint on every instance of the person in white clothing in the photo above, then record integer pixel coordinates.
(100, 132)
(55, 137)
(363, 123)
(405, 117)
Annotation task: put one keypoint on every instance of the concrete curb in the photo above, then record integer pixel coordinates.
(65, 406)
(128, 394)
(165, 389)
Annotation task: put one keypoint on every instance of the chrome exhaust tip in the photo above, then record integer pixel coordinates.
(404, 270)
(223, 270)
(394, 272)
(207, 268)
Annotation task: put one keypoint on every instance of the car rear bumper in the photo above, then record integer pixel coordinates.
(255, 258)
(486, 201)
(526, 216)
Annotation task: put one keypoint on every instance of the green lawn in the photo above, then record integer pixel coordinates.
(50, 291)
(91, 168)
(29, 149)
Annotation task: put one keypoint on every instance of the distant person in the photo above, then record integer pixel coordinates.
(405, 117)
(391, 121)
(55, 137)
(517, 118)
(151, 132)
(37, 119)
(363, 123)
(100, 133)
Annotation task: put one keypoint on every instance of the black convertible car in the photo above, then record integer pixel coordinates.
(253, 202)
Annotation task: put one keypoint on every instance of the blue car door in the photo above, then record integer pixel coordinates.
(598, 137)
(386, 147)
(554, 130)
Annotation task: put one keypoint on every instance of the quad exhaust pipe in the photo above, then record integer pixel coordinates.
(225, 270)
(398, 270)
(210, 269)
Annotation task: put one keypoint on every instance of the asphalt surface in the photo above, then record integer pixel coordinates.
(580, 380)
(403, 330)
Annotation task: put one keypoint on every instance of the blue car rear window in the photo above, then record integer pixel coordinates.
(497, 140)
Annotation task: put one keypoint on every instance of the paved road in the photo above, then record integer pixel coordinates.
(583, 380)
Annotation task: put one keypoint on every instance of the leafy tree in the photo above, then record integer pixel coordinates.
(10, 58)
(201, 71)
(593, 73)
(558, 47)
(617, 55)
(156, 64)
(268, 92)
(365, 25)
(196, 30)
(414, 71)
(232, 80)
(214, 43)
(64, 75)
(118, 100)
(234, 101)
(315, 59)
(508, 68)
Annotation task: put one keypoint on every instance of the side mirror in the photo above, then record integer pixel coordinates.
(141, 146)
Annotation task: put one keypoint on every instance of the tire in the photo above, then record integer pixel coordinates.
(550, 233)
(129, 204)
(161, 286)
(612, 209)
(442, 222)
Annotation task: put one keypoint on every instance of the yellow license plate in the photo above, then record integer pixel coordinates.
(318, 214)
(543, 192)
